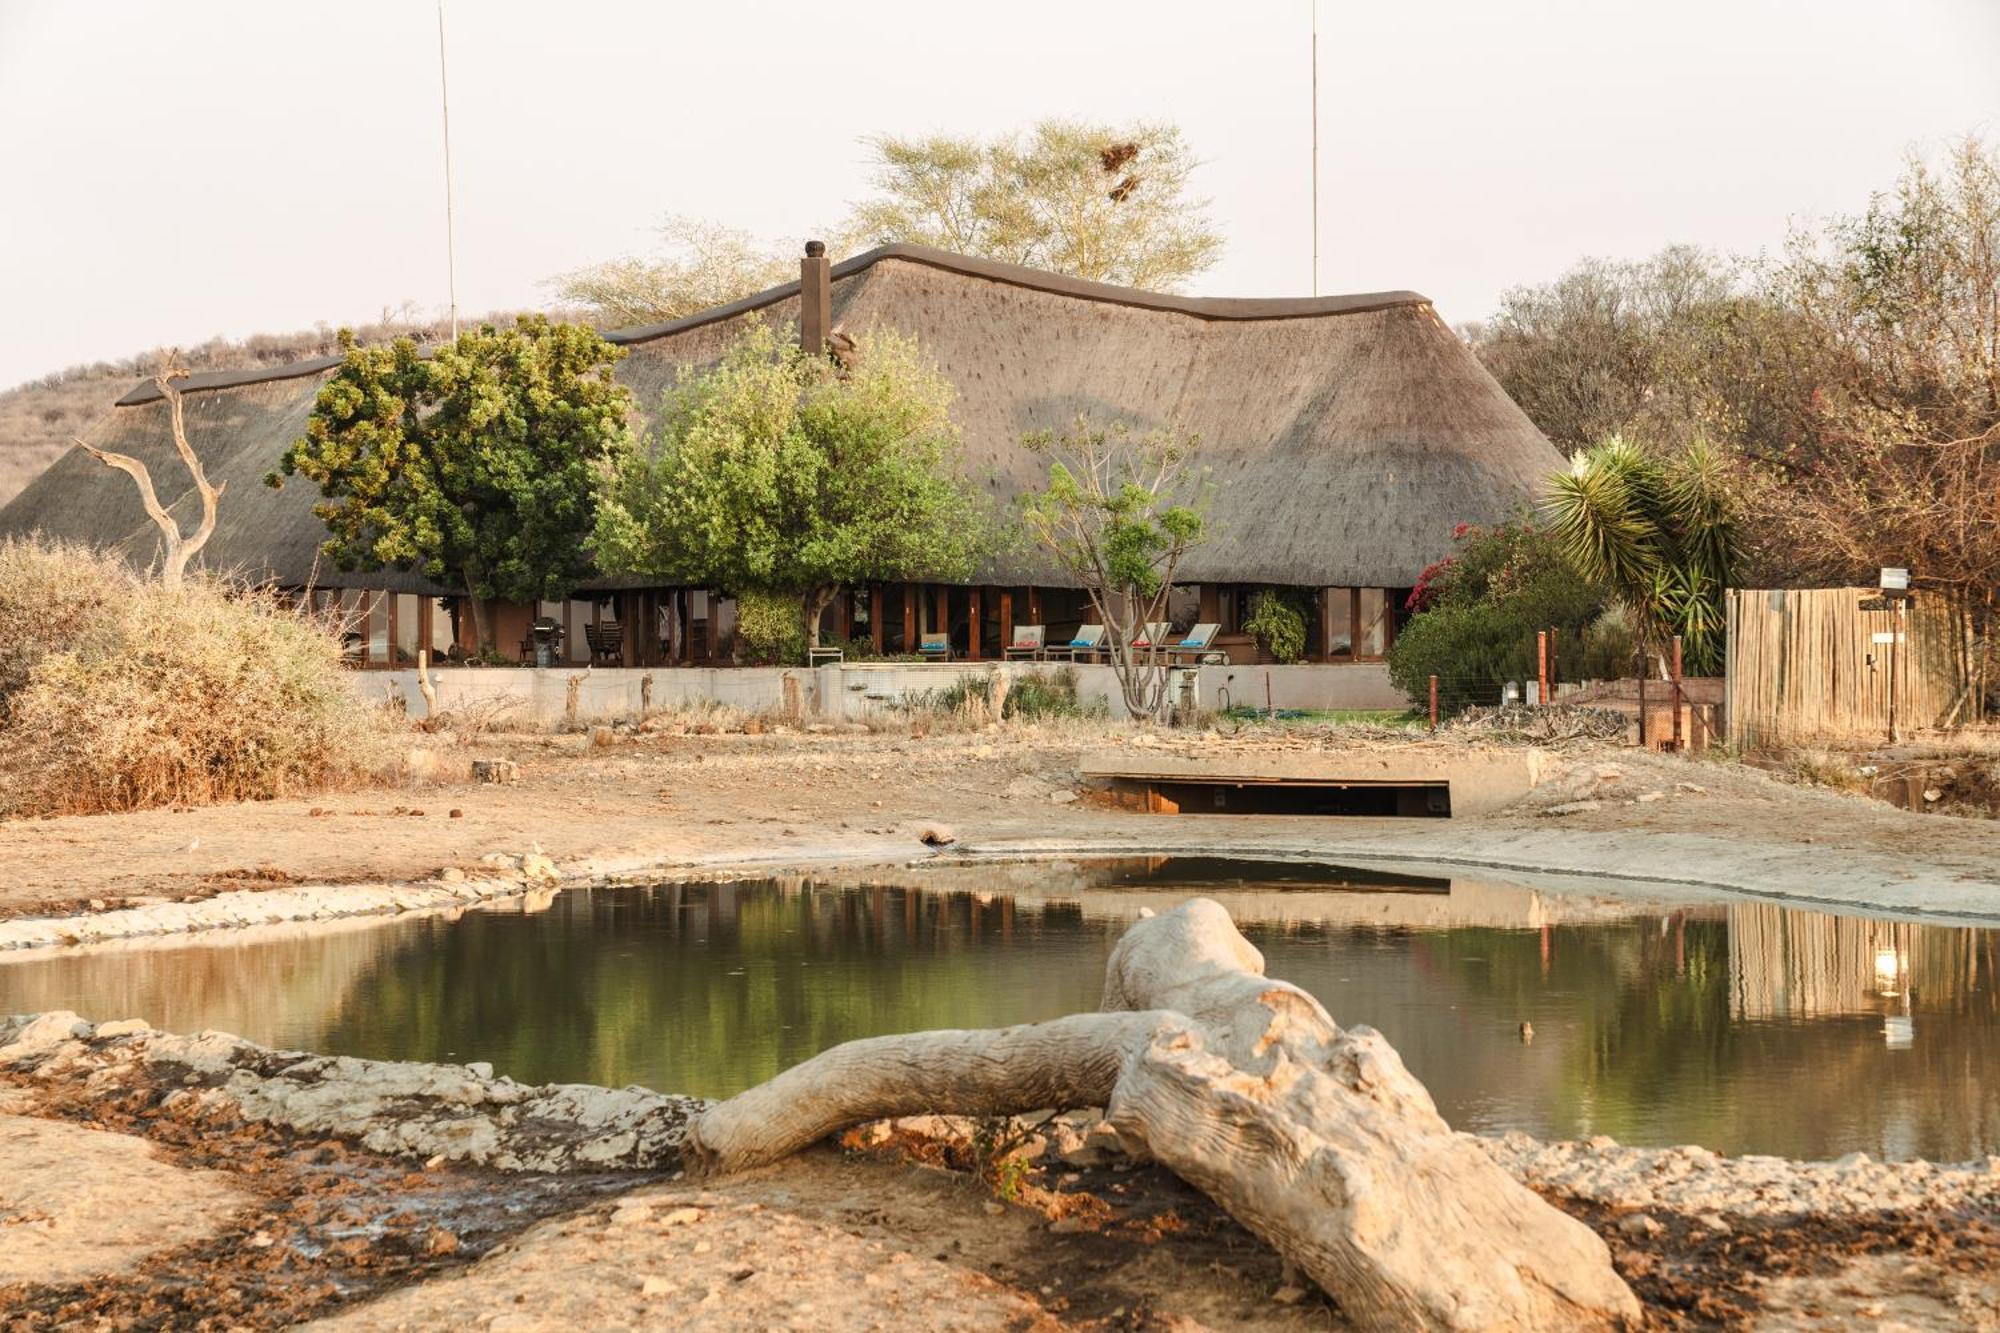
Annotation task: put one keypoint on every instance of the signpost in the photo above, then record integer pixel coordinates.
(1895, 596)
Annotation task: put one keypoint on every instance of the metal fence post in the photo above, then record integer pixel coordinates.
(1434, 703)
(1677, 692)
(1642, 698)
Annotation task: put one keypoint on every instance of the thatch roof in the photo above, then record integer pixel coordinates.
(1345, 435)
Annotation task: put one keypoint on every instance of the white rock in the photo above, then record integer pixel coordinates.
(123, 1027)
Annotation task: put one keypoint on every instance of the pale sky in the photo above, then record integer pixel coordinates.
(173, 171)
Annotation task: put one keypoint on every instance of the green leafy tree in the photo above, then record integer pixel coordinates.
(1121, 510)
(473, 464)
(779, 472)
(1659, 534)
(1479, 610)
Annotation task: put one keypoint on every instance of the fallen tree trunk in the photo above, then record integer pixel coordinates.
(1314, 1137)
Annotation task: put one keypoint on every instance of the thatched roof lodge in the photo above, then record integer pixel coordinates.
(1346, 436)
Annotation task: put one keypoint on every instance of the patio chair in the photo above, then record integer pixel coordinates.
(1197, 646)
(1155, 635)
(607, 643)
(1027, 642)
(1089, 641)
(935, 647)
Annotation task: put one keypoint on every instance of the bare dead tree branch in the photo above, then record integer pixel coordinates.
(179, 549)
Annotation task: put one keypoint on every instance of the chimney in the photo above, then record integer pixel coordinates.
(815, 299)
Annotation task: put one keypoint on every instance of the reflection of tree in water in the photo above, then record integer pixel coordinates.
(1752, 1028)
(711, 988)
(270, 984)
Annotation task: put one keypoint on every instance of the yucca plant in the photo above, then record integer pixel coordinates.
(1660, 533)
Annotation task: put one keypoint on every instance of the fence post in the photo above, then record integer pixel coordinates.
(1434, 703)
(1677, 692)
(1642, 697)
(1542, 667)
(1555, 663)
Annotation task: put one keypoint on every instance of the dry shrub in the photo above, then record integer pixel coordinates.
(48, 592)
(152, 697)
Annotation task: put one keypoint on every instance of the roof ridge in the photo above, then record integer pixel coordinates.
(992, 270)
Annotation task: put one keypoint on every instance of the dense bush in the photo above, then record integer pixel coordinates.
(1479, 612)
(48, 590)
(131, 695)
(768, 629)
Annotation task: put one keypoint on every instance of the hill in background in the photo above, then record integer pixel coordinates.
(38, 419)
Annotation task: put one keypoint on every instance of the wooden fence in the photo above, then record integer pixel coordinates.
(1811, 665)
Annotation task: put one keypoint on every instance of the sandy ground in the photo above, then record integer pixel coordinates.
(665, 799)
(76, 1202)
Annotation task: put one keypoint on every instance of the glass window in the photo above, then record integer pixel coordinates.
(409, 624)
(576, 617)
(1340, 622)
(444, 635)
(721, 626)
(345, 612)
(378, 627)
(1373, 640)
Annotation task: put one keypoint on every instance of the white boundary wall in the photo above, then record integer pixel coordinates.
(849, 692)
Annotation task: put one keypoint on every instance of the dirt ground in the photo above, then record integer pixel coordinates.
(669, 799)
(892, 1228)
(273, 1230)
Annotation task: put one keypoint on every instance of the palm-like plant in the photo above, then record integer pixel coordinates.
(1659, 532)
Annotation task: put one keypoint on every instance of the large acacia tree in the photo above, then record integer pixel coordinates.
(1107, 202)
(473, 464)
(782, 473)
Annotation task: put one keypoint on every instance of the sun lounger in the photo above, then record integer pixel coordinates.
(1197, 646)
(1155, 635)
(1087, 644)
(1027, 642)
(935, 647)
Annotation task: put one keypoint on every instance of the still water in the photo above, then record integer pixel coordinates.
(1743, 1027)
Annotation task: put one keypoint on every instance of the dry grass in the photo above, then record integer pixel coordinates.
(134, 696)
(48, 590)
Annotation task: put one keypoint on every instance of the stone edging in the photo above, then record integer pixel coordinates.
(465, 1113)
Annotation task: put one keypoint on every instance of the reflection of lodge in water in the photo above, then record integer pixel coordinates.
(1790, 964)
(1273, 894)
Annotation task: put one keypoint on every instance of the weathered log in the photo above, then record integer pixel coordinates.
(1315, 1137)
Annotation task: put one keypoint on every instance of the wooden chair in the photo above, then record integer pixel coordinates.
(607, 643)
(1027, 642)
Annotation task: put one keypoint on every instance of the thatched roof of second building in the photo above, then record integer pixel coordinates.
(1345, 436)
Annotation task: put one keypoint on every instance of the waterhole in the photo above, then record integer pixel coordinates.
(1561, 1011)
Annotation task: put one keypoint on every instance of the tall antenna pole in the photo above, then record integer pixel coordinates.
(1315, 114)
(450, 242)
